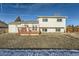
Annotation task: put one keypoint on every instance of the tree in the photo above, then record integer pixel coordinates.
(72, 26)
(18, 19)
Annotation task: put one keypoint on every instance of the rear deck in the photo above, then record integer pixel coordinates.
(27, 31)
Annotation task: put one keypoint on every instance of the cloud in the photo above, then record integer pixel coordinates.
(26, 8)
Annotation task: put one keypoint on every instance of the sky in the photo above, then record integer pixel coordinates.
(30, 11)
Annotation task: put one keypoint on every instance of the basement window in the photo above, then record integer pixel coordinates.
(58, 29)
(44, 29)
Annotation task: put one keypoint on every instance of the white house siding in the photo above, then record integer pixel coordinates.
(53, 30)
(50, 30)
(62, 30)
(52, 22)
(13, 29)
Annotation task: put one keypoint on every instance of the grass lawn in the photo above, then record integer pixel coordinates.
(54, 40)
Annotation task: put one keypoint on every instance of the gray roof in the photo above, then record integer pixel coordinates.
(52, 16)
(3, 24)
(30, 22)
(15, 23)
(25, 22)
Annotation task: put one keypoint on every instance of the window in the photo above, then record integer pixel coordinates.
(45, 20)
(59, 20)
(26, 25)
(34, 27)
(44, 30)
(58, 29)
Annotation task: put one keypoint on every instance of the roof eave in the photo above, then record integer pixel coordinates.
(52, 17)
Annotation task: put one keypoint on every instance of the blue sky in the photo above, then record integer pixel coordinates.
(27, 11)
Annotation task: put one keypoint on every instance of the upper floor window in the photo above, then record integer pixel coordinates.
(59, 20)
(45, 20)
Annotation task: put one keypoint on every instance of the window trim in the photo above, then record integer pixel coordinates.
(34, 27)
(44, 29)
(59, 20)
(58, 29)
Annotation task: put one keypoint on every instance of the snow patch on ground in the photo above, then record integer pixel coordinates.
(28, 52)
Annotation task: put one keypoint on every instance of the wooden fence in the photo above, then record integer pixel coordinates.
(72, 29)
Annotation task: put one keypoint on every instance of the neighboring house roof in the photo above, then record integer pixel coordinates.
(3, 24)
(25, 22)
(52, 17)
(15, 23)
(30, 22)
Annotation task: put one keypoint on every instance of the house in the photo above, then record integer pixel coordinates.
(43, 24)
(24, 27)
(52, 23)
(3, 27)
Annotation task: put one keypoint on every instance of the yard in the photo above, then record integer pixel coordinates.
(54, 40)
